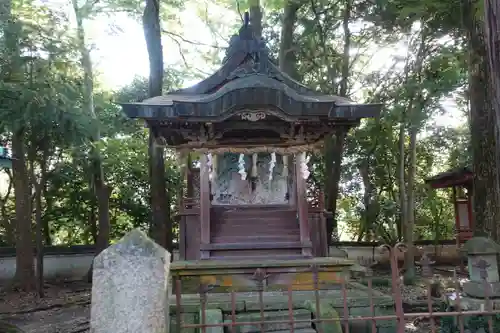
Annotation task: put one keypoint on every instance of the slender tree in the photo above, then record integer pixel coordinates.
(161, 225)
(24, 277)
(101, 190)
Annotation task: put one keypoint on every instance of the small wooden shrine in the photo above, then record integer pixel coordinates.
(252, 126)
(460, 180)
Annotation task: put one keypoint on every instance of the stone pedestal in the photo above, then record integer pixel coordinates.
(276, 305)
(483, 268)
(130, 287)
(466, 304)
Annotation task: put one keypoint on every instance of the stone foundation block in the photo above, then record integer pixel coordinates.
(300, 314)
(213, 316)
(326, 311)
(186, 319)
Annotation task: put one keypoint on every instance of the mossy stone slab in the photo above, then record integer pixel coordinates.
(326, 311)
(191, 303)
(301, 315)
(212, 316)
(186, 319)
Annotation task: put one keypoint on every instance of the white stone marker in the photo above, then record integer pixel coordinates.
(130, 287)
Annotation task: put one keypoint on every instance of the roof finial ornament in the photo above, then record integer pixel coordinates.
(246, 18)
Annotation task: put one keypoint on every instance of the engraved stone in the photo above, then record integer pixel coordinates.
(130, 287)
(483, 268)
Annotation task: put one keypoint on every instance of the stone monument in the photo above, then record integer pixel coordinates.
(483, 268)
(130, 287)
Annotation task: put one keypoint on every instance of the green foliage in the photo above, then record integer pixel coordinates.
(45, 98)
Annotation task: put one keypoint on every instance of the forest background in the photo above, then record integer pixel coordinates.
(82, 173)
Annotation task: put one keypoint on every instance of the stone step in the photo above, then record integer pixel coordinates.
(300, 330)
(289, 237)
(300, 314)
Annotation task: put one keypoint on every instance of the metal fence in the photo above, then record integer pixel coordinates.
(443, 309)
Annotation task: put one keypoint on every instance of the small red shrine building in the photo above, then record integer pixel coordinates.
(460, 180)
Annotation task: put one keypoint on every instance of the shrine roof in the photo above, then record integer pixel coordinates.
(253, 81)
(454, 177)
(248, 80)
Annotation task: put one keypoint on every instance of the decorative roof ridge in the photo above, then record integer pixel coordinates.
(246, 41)
(246, 55)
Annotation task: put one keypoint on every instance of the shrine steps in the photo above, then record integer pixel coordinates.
(246, 230)
(259, 257)
(289, 237)
(259, 246)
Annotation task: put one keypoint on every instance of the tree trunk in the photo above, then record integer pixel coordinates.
(161, 223)
(25, 275)
(45, 221)
(347, 48)
(492, 39)
(414, 109)
(482, 127)
(334, 146)
(38, 220)
(334, 149)
(103, 193)
(402, 176)
(93, 222)
(370, 203)
(255, 17)
(409, 226)
(287, 59)
(100, 188)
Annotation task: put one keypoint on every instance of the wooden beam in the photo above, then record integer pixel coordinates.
(204, 206)
(301, 201)
(254, 246)
(180, 202)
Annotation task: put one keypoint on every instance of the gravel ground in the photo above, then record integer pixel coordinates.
(415, 297)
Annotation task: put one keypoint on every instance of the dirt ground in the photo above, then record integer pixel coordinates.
(64, 309)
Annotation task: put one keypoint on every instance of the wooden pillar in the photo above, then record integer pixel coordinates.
(470, 199)
(455, 212)
(184, 169)
(301, 202)
(322, 226)
(204, 206)
(457, 225)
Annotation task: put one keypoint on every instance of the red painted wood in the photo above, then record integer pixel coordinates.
(262, 254)
(251, 246)
(268, 230)
(192, 237)
(463, 233)
(254, 239)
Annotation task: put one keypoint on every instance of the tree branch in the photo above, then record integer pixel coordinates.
(182, 39)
